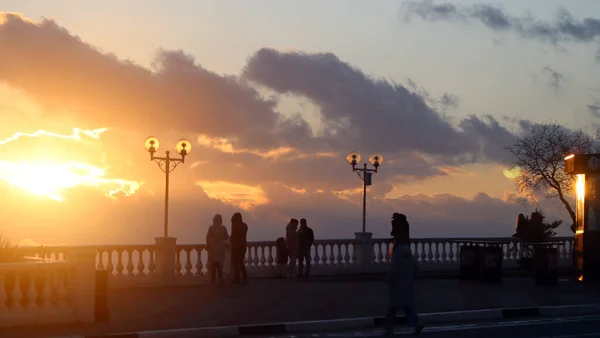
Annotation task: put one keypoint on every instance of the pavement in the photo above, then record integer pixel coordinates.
(558, 327)
(281, 301)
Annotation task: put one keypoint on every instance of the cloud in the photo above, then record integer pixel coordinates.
(360, 111)
(246, 154)
(555, 79)
(564, 28)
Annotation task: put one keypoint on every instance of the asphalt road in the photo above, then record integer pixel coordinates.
(567, 327)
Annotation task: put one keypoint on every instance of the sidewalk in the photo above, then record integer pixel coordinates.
(269, 301)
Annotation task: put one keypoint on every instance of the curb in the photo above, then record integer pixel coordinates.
(358, 323)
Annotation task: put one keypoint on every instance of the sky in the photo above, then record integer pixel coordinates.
(273, 95)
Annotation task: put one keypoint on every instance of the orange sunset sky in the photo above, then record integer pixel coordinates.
(271, 116)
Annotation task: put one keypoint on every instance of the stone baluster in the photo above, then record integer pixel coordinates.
(60, 289)
(178, 263)
(451, 252)
(263, 260)
(109, 264)
(100, 265)
(429, 252)
(3, 296)
(347, 254)
(270, 259)
(17, 295)
(331, 255)
(436, 256)
(120, 266)
(255, 258)
(380, 250)
(47, 292)
(31, 294)
(151, 264)
(141, 269)
(130, 265)
(443, 254)
(316, 256)
(188, 262)
(199, 265)
(325, 254)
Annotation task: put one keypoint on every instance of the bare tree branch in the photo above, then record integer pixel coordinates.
(540, 156)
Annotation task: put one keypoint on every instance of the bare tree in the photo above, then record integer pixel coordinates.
(540, 154)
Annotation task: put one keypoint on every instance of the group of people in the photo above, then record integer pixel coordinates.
(295, 247)
(217, 241)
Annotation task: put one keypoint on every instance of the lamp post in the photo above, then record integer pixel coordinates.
(365, 175)
(167, 164)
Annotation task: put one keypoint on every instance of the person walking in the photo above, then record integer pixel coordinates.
(306, 238)
(291, 241)
(216, 242)
(401, 278)
(239, 231)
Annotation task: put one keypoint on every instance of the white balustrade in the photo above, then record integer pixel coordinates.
(35, 293)
(136, 265)
(438, 254)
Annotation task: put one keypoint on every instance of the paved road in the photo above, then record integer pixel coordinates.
(567, 327)
(262, 301)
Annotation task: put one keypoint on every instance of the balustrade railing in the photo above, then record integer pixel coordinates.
(444, 253)
(33, 292)
(135, 265)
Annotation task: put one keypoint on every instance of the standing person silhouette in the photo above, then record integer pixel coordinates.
(401, 278)
(292, 243)
(306, 238)
(239, 231)
(216, 241)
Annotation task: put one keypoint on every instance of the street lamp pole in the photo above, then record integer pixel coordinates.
(365, 175)
(167, 164)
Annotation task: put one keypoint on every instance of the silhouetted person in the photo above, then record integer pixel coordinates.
(239, 230)
(401, 278)
(291, 241)
(306, 238)
(282, 256)
(216, 242)
(400, 229)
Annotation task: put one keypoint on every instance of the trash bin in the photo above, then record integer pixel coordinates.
(490, 269)
(101, 297)
(545, 265)
(469, 261)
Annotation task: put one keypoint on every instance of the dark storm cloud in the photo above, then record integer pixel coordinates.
(565, 27)
(374, 113)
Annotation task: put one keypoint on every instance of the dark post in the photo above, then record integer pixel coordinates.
(101, 313)
(586, 251)
(364, 211)
(167, 172)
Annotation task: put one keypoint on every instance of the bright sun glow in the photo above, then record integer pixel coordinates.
(50, 179)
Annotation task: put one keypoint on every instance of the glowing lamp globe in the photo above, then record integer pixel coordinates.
(152, 144)
(183, 147)
(353, 158)
(376, 160)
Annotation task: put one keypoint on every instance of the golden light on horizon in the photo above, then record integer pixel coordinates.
(50, 177)
(243, 196)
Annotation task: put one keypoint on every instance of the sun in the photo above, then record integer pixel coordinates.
(51, 179)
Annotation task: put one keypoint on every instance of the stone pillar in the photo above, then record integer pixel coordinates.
(165, 259)
(364, 250)
(82, 282)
